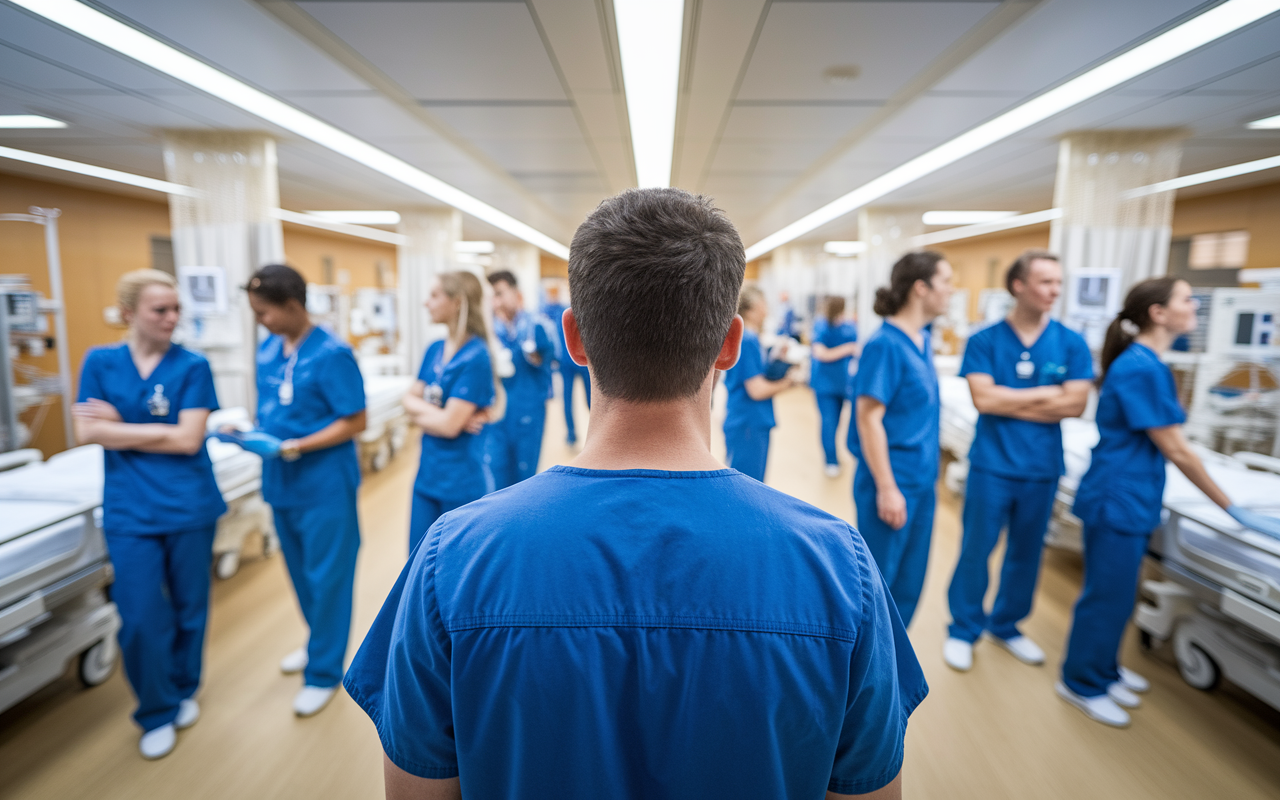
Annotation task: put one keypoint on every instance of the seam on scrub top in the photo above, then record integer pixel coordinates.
(645, 621)
(564, 469)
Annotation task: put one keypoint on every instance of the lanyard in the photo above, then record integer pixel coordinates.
(286, 387)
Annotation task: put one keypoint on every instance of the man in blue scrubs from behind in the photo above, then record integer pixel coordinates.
(1026, 373)
(515, 441)
(643, 623)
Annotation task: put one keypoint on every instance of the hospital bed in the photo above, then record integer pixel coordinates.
(53, 570)
(387, 429)
(239, 476)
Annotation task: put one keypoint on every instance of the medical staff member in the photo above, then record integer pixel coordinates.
(749, 413)
(895, 430)
(1119, 499)
(834, 347)
(311, 395)
(515, 443)
(1026, 374)
(569, 371)
(454, 395)
(146, 401)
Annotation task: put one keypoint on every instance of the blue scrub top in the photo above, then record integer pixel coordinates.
(831, 377)
(327, 386)
(530, 386)
(742, 411)
(154, 493)
(637, 634)
(1124, 487)
(454, 469)
(1017, 448)
(555, 313)
(901, 376)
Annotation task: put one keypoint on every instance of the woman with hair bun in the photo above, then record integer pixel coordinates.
(1119, 499)
(895, 430)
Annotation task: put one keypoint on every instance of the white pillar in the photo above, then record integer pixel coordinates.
(430, 250)
(229, 227)
(888, 233)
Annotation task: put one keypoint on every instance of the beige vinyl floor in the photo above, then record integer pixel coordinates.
(996, 732)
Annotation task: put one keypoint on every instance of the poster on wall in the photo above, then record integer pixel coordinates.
(204, 290)
(1094, 294)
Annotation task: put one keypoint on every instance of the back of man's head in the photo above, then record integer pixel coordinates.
(654, 275)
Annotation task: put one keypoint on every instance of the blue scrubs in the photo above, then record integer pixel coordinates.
(569, 371)
(515, 442)
(1014, 466)
(453, 472)
(1119, 502)
(641, 634)
(830, 381)
(160, 512)
(314, 498)
(901, 376)
(747, 422)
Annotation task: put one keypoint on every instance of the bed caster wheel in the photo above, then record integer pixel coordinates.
(1145, 641)
(97, 663)
(381, 457)
(1198, 668)
(227, 565)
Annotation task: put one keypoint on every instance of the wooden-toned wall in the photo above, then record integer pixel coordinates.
(305, 249)
(1256, 209)
(980, 263)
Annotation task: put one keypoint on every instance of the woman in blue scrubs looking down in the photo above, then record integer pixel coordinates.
(895, 435)
(146, 401)
(835, 343)
(455, 395)
(311, 396)
(749, 412)
(1119, 499)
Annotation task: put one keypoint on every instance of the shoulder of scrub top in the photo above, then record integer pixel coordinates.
(270, 347)
(104, 351)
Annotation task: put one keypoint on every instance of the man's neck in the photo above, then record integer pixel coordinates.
(673, 435)
(1027, 322)
(911, 321)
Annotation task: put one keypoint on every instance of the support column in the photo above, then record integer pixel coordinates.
(794, 271)
(1101, 235)
(219, 239)
(888, 233)
(432, 235)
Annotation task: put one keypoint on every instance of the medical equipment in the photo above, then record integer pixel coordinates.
(239, 476)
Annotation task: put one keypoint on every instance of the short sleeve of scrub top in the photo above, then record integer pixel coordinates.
(342, 383)
(1146, 400)
(1079, 359)
(750, 361)
(979, 356)
(879, 371)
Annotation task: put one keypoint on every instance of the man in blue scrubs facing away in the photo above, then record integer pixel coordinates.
(1027, 373)
(643, 623)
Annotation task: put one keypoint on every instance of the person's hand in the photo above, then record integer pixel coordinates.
(94, 408)
(478, 420)
(891, 507)
(1269, 526)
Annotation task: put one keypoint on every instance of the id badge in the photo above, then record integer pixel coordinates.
(286, 394)
(158, 404)
(435, 395)
(1025, 368)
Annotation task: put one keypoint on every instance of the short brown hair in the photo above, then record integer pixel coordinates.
(1022, 265)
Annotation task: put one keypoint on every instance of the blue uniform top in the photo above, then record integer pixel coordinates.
(831, 377)
(526, 336)
(901, 376)
(1018, 448)
(555, 313)
(327, 386)
(154, 493)
(1124, 486)
(454, 469)
(742, 411)
(638, 634)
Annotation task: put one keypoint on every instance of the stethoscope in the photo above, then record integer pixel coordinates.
(286, 387)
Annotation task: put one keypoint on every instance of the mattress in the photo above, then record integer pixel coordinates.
(382, 396)
(236, 470)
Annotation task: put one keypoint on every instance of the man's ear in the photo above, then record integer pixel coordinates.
(573, 339)
(732, 346)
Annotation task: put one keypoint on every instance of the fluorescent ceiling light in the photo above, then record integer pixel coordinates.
(107, 31)
(649, 37)
(1265, 124)
(844, 248)
(963, 217)
(359, 217)
(1190, 35)
(473, 247)
(981, 229)
(313, 220)
(97, 172)
(29, 121)
(1204, 177)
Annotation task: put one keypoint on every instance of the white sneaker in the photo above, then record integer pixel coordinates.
(1133, 681)
(832, 471)
(1023, 649)
(958, 654)
(1123, 696)
(188, 713)
(310, 699)
(1100, 709)
(158, 743)
(294, 662)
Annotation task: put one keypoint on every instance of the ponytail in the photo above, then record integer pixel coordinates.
(1134, 318)
(918, 266)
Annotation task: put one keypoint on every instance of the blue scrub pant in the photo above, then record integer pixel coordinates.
(425, 511)
(992, 502)
(161, 590)
(830, 407)
(902, 555)
(1112, 566)
(747, 450)
(568, 374)
(514, 445)
(319, 544)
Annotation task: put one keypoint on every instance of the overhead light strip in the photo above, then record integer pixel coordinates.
(105, 174)
(1190, 35)
(312, 221)
(111, 33)
(649, 39)
(983, 228)
(1204, 177)
(1267, 124)
(29, 122)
